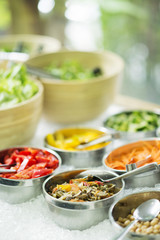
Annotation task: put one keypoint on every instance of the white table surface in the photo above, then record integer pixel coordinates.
(32, 220)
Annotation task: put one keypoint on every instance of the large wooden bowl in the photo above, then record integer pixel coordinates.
(36, 44)
(18, 123)
(77, 101)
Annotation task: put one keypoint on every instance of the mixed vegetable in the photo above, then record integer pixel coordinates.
(69, 139)
(73, 70)
(142, 153)
(29, 163)
(15, 86)
(134, 121)
(83, 189)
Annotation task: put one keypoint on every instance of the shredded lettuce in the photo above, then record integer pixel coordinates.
(15, 86)
(72, 70)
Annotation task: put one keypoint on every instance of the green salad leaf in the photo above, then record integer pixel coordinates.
(72, 70)
(15, 86)
(134, 121)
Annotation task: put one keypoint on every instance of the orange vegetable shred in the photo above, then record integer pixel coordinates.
(142, 150)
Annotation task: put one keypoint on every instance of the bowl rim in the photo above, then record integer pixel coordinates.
(28, 182)
(156, 111)
(130, 143)
(25, 102)
(27, 37)
(111, 218)
(117, 58)
(101, 129)
(78, 205)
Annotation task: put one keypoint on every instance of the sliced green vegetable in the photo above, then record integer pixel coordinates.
(134, 121)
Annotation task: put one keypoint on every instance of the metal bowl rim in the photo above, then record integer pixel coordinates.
(48, 196)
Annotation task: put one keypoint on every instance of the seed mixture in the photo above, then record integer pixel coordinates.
(148, 227)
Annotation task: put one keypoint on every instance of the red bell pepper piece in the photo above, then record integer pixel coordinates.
(41, 172)
(9, 161)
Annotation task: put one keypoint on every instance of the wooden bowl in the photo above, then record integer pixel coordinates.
(36, 44)
(18, 123)
(76, 101)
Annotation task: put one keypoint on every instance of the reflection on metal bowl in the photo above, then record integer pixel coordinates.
(79, 215)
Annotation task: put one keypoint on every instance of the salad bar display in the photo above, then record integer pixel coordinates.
(79, 92)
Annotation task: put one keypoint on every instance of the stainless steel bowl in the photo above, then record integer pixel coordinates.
(82, 159)
(122, 208)
(18, 191)
(126, 137)
(79, 215)
(148, 179)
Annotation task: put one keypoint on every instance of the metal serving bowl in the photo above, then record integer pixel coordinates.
(85, 158)
(132, 136)
(79, 215)
(18, 191)
(122, 208)
(148, 179)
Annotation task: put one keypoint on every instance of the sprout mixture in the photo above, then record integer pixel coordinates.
(83, 189)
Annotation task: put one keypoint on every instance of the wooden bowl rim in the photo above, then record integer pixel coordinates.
(29, 38)
(79, 82)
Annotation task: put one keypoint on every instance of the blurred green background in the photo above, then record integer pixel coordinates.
(129, 28)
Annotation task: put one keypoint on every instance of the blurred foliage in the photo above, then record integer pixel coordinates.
(5, 16)
(120, 20)
(132, 30)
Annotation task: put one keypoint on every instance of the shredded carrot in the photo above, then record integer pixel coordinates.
(140, 151)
